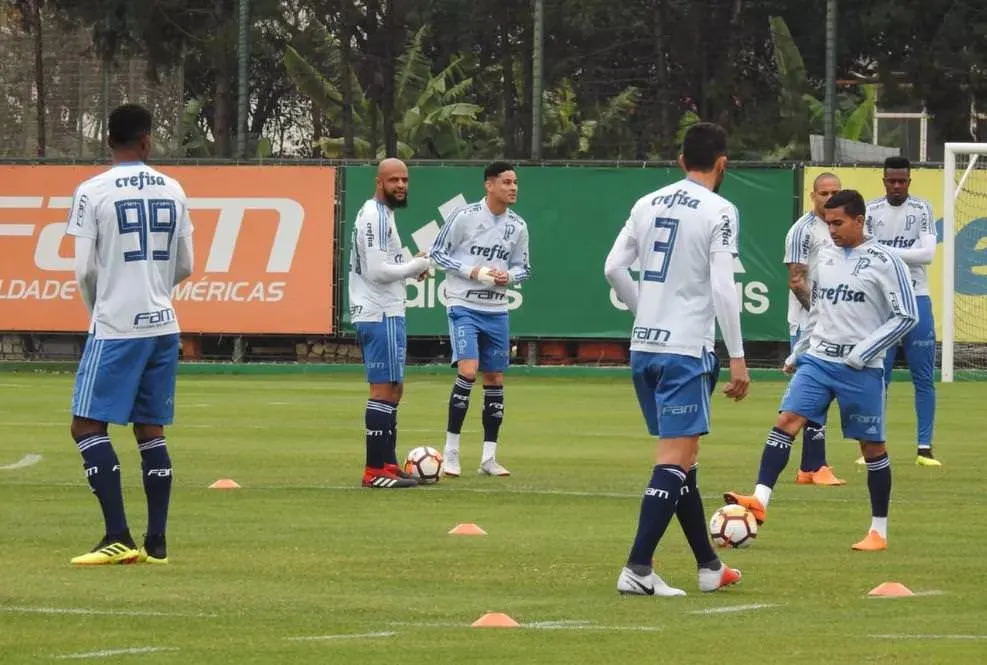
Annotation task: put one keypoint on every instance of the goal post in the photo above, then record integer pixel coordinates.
(964, 302)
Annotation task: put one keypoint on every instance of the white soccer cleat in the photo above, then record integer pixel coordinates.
(714, 580)
(650, 585)
(450, 463)
(492, 468)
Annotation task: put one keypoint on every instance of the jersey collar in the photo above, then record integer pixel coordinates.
(495, 217)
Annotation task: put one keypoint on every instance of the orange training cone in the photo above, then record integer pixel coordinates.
(467, 530)
(225, 484)
(891, 590)
(495, 620)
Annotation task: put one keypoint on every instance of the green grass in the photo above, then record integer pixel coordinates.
(301, 551)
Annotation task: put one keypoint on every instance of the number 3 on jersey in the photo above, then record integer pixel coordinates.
(144, 217)
(656, 268)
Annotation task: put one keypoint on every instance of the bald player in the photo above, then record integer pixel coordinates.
(377, 302)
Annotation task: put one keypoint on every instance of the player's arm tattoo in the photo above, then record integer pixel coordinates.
(798, 282)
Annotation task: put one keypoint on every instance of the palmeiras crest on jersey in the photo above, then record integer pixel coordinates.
(862, 264)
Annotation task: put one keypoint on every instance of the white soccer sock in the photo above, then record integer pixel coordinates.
(763, 494)
(452, 442)
(879, 524)
(489, 451)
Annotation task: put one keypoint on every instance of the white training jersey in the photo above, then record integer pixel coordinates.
(803, 241)
(900, 228)
(474, 236)
(134, 214)
(676, 229)
(862, 304)
(375, 231)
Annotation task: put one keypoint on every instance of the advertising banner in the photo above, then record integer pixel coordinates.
(573, 216)
(263, 244)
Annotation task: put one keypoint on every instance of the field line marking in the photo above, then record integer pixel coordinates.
(114, 652)
(449, 486)
(905, 636)
(341, 636)
(88, 612)
(533, 625)
(734, 608)
(28, 460)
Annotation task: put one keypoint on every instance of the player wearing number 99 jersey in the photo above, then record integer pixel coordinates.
(133, 245)
(685, 238)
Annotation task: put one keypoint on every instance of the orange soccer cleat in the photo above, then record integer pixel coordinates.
(751, 503)
(872, 542)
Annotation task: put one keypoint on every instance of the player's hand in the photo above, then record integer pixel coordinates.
(501, 277)
(740, 380)
(484, 275)
(788, 367)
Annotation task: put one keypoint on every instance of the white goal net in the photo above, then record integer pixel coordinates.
(964, 312)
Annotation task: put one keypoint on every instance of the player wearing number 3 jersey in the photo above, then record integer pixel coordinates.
(133, 245)
(684, 236)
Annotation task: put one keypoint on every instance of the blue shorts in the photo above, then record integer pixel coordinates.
(124, 381)
(859, 393)
(384, 345)
(480, 336)
(674, 391)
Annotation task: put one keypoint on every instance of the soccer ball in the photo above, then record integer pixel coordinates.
(733, 526)
(425, 464)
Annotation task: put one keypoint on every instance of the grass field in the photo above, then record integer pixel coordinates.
(302, 552)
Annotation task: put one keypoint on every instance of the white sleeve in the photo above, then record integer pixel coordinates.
(924, 249)
(82, 215)
(372, 240)
(725, 231)
(445, 244)
(85, 269)
(519, 266)
(622, 255)
(919, 254)
(184, 258)
(382, 270)
(900, 298)
(797, 245)
(185, 227)
(726, 303)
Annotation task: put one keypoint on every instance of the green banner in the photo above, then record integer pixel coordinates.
(573, 216)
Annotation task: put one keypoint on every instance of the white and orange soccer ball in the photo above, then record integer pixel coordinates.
(733, 526)
(424, 463)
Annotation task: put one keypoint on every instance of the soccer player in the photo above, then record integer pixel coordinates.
(483, 248)
(862, 305)
(904, 224)
(133, 244)
(377, 309)
(802, 243)
(685, 238)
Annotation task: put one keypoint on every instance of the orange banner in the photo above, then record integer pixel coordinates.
(263, 249)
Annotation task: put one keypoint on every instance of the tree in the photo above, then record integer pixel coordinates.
(30, 12)
(929, 51)
(573, 131)
(432, 121)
